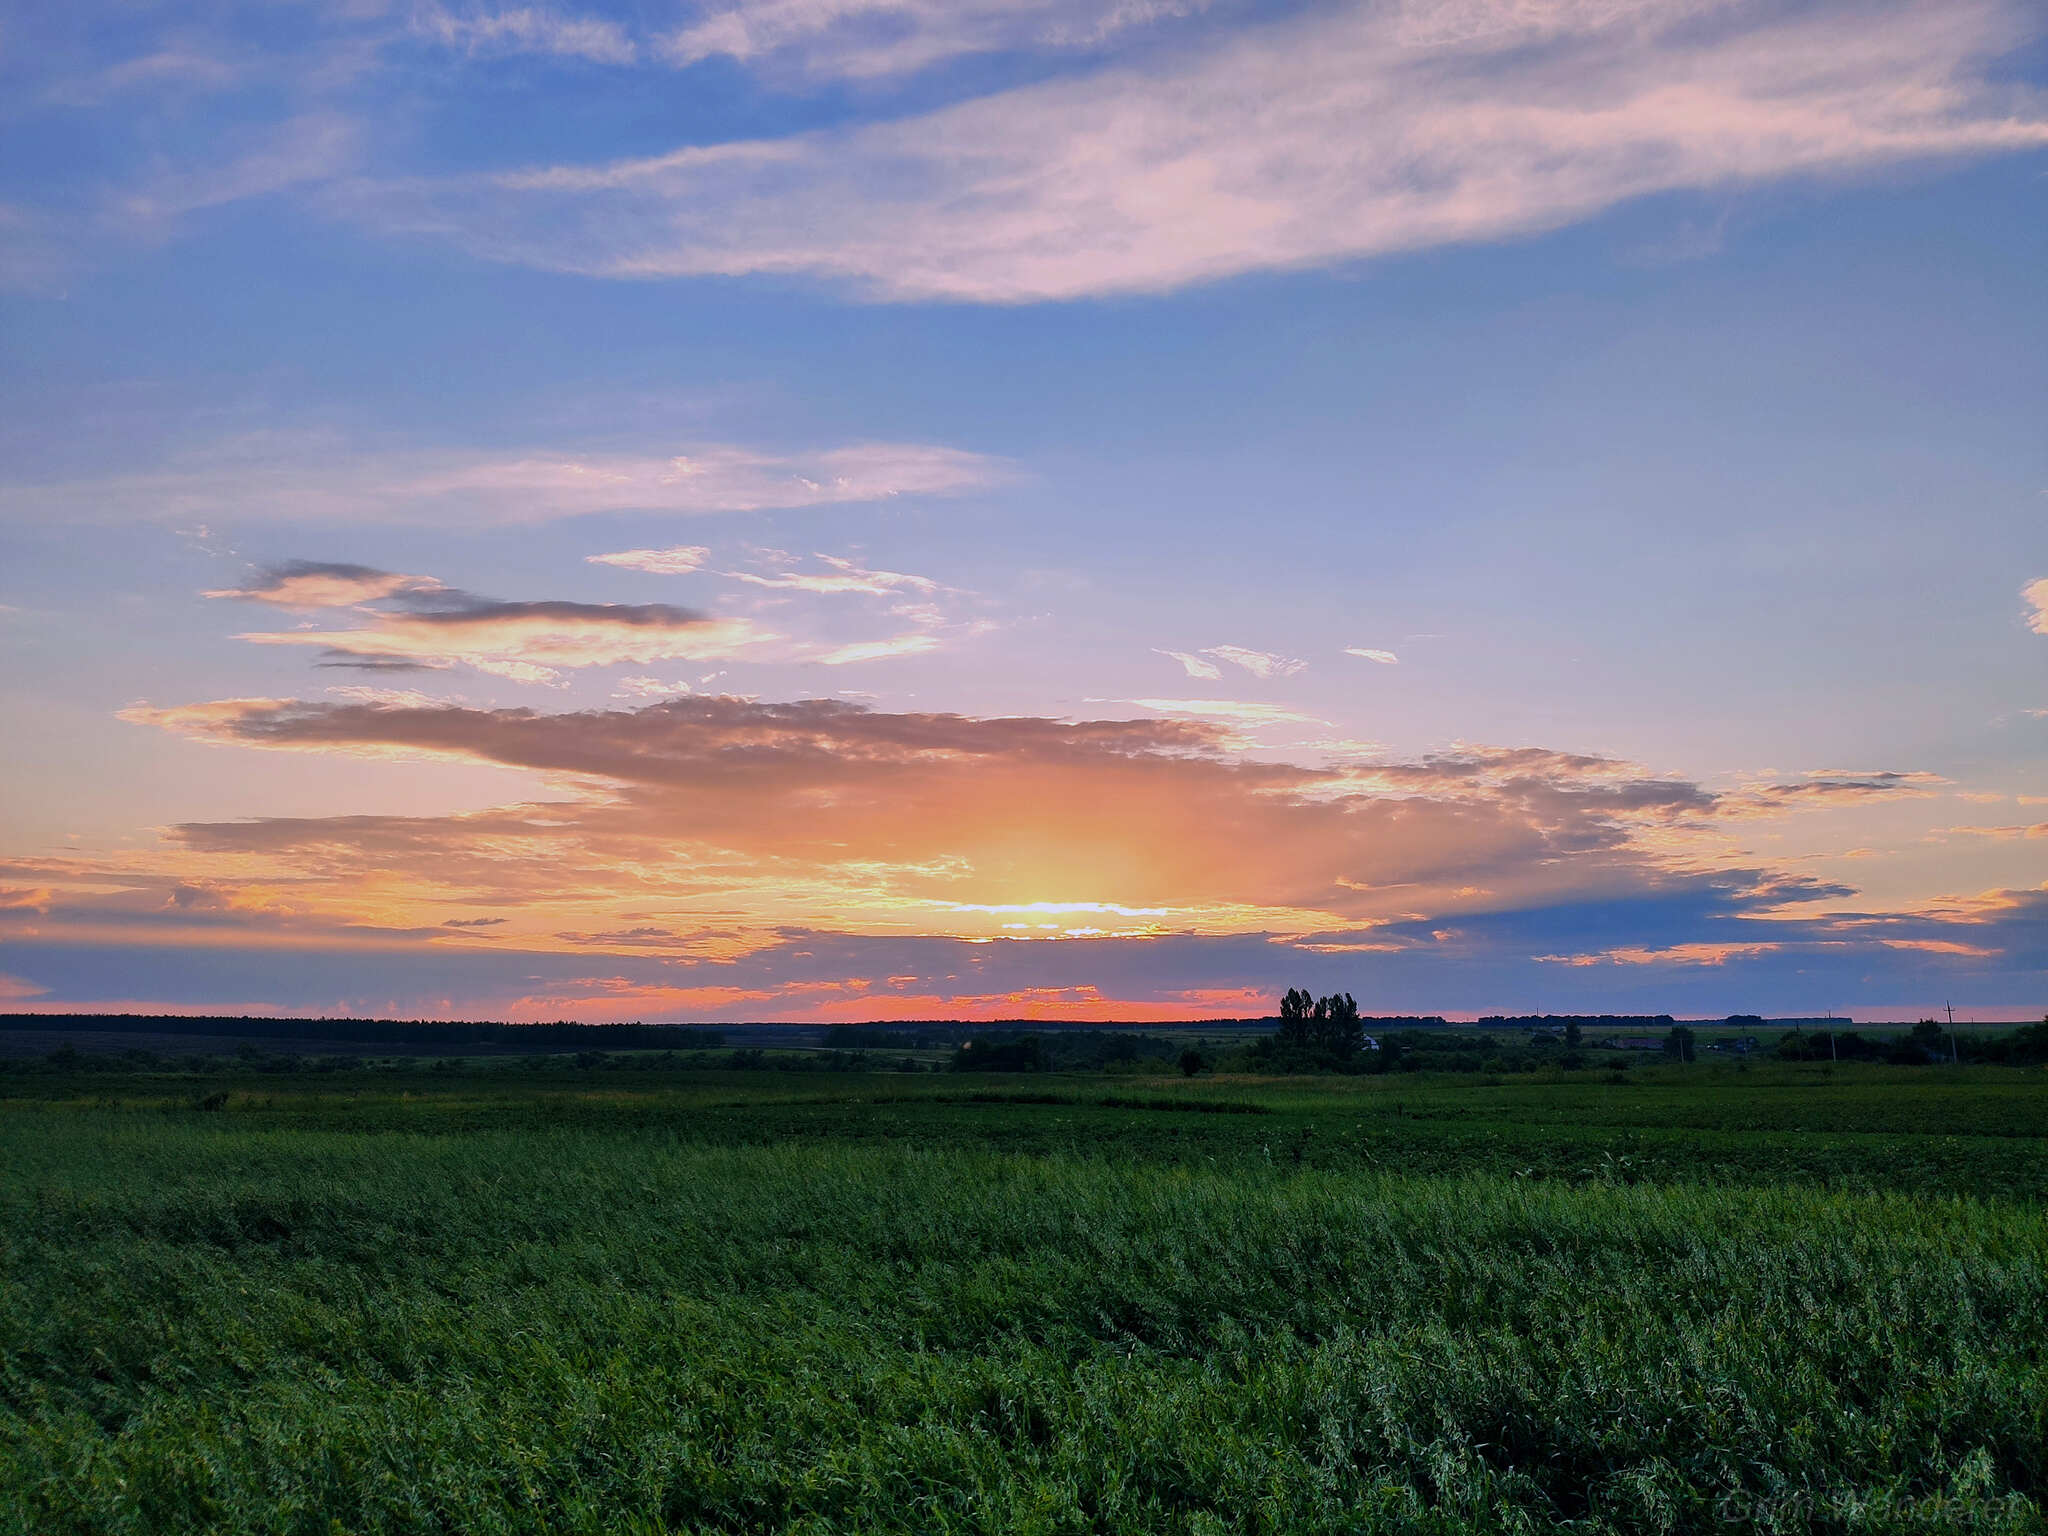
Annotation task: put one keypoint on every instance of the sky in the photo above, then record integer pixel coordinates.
(838, 510)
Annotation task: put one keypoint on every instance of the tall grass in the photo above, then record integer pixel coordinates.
(207, 1327)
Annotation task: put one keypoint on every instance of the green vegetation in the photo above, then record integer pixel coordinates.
(622, 1294)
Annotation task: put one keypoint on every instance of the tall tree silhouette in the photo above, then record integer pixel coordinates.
(1327, 1025)
(1295, 1011)
(1335, 1026)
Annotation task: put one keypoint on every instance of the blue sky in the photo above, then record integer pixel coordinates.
(1491, 505)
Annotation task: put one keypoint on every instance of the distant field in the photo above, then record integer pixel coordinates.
(1782, 1298)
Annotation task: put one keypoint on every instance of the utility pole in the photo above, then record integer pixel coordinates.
(1834, 1051)
(1955, 1056)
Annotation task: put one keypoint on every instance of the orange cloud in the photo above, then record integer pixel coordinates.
(823, 811)
(2036, 595)
(1940, 947)
(325, 584)
(1669, 954)
(1829, 787)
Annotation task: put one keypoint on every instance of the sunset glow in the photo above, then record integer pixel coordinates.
(1052, 511)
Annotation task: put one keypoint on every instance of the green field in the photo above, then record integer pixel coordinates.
(1789, 1298)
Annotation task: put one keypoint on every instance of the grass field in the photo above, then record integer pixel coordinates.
(1787, 1298)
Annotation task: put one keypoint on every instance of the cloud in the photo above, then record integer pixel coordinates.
(872, 39)
(2000, 834)
(530, 642)
(2036, 595)
(325, 584)
(685, 970)
(1384, 658)
(1236, 711)
(397, 698)
(918, 643)
(415, 623)
(909, 599)
(1674, 954)
(649, 688)
(725, 857)
(15, 990)
(293, 480)
(297, 152)
(411, 622)
(2005, 928)
(1194, 666)
(1831, 786)
(841, 576)
(1346, 132)
(525, 29)
(351, 661)
(179, 67)
(943, 823)
(1262, 664)
(676, 560)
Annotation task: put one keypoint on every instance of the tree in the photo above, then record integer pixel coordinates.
(1025, 1053)
(1574, 1037)
(1335, 1025)
(1678, 1044)
(1191, 1062)
(1925, 1042)
(1295, 1009)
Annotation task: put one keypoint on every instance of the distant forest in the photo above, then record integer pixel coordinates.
(421, 1036)
(563, 1035)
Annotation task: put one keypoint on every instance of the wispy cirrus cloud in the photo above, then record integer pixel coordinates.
(312, 147)
(1241, 712)
(491, 30)
(1261, 664)
(293, 480)
(1342, 133)
(873, 39)
(918, 602)
(1365, 653)
(913, 643)
(676, 560)
(1196, 667)
(840, 576)
(176, 65)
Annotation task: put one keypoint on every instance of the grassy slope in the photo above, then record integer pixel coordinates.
(511, 1304)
